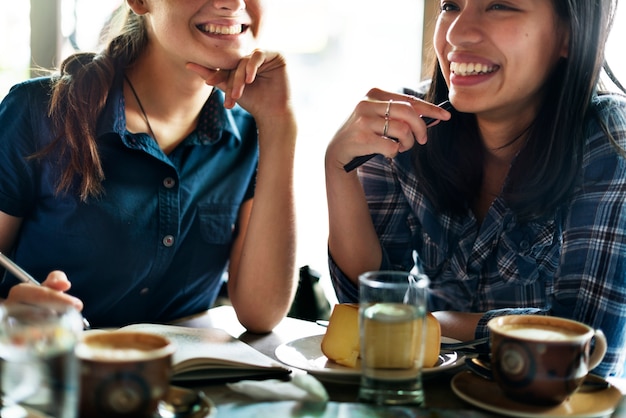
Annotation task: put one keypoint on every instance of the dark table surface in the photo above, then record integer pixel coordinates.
(441, 401)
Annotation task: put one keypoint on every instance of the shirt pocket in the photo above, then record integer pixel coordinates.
(528, 253)
(218, 222)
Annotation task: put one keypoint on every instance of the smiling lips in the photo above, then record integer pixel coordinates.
(469, 69)
(214, 29)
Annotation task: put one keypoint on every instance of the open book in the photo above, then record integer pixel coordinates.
(212, 354)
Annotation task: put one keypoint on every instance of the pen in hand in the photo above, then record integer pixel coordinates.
(357, 161)
(24, 277)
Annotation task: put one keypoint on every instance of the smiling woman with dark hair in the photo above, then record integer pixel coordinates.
(515, 201)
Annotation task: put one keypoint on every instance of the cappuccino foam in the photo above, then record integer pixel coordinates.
(108, 352)
(538, 332)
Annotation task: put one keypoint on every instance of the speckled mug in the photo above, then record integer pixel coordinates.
(542, 360)
(123, 374)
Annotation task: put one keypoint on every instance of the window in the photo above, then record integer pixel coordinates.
(14, 55)
(336, 54)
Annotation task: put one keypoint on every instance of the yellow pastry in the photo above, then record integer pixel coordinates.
(341, 341)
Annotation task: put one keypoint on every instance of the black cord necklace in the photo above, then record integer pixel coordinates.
(511, 142)
(143, 112)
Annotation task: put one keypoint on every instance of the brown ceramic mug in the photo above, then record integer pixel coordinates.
(123, 374)
(542, 359)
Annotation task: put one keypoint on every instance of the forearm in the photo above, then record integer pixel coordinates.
(352, 239)
(265, 283)
(9, 228)
(459, 325)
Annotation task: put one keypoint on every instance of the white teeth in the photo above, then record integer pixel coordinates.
(221, 30)
(471, 68)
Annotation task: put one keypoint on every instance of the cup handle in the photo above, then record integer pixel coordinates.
(599, 350)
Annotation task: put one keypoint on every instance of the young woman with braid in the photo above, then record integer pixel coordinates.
(131, 181)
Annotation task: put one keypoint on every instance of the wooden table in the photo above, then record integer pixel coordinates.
(440, 399)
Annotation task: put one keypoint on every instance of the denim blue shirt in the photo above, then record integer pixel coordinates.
(155, 245)
(572, 265)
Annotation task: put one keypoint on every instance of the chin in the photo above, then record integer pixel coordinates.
(228, 61)
(461, 103)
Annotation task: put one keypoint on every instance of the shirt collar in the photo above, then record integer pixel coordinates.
(215, 120)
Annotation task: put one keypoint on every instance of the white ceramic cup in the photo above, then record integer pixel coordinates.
(123, 373)
(542, 359)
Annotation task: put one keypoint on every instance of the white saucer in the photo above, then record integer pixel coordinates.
(205, 408)
(486, 394)
(306, 354)
(18, 411)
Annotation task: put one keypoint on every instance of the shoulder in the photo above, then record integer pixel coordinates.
(24, 109)
(608, 103)
(32, 90)
(26, 102)
(605, 144)
(605, 127)
(610, 109)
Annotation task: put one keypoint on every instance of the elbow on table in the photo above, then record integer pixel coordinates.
(260, 322)
(259, 327)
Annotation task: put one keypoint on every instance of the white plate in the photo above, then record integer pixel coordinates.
(487, 395)
(18, 411)
(306, 354)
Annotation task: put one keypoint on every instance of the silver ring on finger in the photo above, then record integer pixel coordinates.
(386, 127)
(388, 108)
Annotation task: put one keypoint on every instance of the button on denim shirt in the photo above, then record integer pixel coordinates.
(155, 245)
(571, 264)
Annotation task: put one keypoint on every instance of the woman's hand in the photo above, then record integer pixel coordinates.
(259, 83)
(382, 123)
(52, 290)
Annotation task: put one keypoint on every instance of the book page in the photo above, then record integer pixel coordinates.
(206, 348)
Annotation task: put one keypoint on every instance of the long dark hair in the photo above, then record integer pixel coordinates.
(544, 173)
(79, 94)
